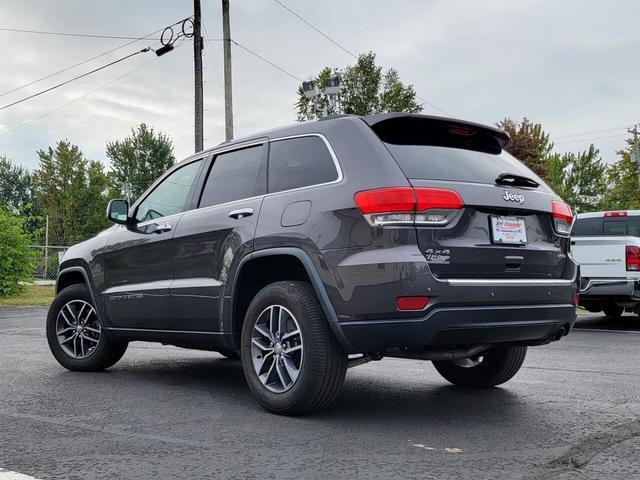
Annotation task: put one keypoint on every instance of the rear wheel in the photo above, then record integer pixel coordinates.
(75, 334)
(493, 367)
(291, 360)
(613, 310)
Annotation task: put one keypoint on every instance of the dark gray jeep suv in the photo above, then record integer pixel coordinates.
(318, 246)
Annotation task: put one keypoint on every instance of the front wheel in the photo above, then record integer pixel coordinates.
(291, 360)
(493, 367)
(75, 335)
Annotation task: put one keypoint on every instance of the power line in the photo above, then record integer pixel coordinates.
(77, 98)
(349, 52)
(86, 94)
(433, 106)
(86, 35)
(78, 64)
(266, 61)
(316, 29)
(590, 132)
(592, 138)
(67, 34)
(74, 78)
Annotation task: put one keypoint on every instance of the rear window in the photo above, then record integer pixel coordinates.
(608, 227)
(456, 164)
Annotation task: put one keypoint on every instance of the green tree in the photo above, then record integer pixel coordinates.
(138, 160)
(529, 143)
(622, 178)
(579, 178)
(15, 186)
(17, 196)
(73, 193)
(364, 90)
(16, 259)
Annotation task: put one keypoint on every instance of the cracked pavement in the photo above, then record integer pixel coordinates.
(572, 412)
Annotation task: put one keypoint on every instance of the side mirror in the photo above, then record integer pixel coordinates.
(118, 211)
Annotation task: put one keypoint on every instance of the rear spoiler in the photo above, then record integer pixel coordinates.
(414, 129)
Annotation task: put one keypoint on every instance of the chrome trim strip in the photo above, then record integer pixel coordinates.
(485, 282)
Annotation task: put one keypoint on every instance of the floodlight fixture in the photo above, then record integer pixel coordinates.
(332, 86)
(310, 89)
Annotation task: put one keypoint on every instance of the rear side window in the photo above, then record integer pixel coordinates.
(456, 164)
(299, 162)
(587, 227)
(235, 175)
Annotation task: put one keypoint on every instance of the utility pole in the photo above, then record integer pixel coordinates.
(635, 150)
(228, 98)
(197, 66)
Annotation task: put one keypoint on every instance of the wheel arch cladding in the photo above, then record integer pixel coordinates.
(258, 269)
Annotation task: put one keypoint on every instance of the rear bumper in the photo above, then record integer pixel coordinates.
(456, 326)
(607, 287)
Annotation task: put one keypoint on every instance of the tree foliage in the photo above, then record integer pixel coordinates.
(16, 259)
(622, 179)
(364, 89)
(73, 193)
(138, 160)
(529, 143)
(579, 178)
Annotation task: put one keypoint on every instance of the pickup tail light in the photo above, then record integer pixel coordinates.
(408, 206)
(633, 258)
(562, 217)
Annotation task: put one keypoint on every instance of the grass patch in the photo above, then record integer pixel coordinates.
(31, 296)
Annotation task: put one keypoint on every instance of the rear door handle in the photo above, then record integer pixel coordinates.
(241, 213)
(162, 228)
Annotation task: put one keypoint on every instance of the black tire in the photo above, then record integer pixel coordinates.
(230, 354)
(324, 364)
(498, 365)
(613, 310)
(104, 355)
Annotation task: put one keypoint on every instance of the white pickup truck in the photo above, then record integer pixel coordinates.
(607, 247)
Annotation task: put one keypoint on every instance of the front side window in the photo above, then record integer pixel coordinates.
(299, 162)
(235, 175)
(170, 196)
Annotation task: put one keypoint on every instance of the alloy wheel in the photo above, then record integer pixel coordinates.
(277, 348)
(77, 329)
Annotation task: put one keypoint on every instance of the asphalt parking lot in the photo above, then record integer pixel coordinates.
(572, 412)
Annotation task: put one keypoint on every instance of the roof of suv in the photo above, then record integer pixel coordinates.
(382, 124)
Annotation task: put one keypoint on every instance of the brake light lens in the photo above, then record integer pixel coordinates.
(408, 206)
(633, 258)
(615, 214)
(562, 217)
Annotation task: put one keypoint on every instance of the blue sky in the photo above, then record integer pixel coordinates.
(569, 65)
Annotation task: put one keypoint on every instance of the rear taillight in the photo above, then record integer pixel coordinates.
(408, 206)
(633, 258)
(562, 217)
(576, 299)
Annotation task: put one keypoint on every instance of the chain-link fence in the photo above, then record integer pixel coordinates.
(46, 261)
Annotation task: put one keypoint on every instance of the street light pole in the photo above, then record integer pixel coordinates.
(228, 97)
(197, 64)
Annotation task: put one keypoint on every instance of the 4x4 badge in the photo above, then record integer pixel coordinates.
(513, 197)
